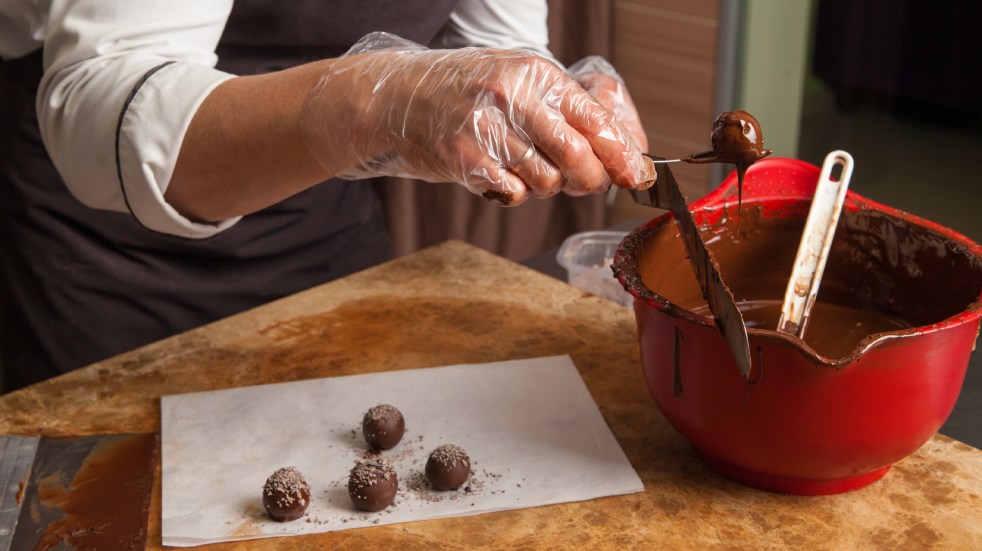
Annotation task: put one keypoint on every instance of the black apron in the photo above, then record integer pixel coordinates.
(78, 285)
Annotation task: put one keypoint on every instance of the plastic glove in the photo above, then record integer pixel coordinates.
(506, 124)
(602, 81)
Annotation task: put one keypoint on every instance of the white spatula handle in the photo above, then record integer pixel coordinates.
(816, 240)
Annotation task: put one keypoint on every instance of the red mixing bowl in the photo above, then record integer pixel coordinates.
(803, 422)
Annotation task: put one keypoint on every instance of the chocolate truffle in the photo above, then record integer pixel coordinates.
(383, 427)
(286, 495)
(448, 467)
(372, 484)
(736, 139)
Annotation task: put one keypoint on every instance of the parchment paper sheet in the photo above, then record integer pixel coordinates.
(531, 428)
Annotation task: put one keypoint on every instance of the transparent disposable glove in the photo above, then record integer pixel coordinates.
(599, 78)
(506, 124)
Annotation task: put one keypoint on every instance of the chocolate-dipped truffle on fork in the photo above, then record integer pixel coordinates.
(736, 139)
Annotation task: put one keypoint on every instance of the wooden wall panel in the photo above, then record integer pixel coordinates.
(666, 52)
(677, 8)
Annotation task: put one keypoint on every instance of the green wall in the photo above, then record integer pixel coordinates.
(773, 41)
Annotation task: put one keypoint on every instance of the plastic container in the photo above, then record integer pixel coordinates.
(587, 257)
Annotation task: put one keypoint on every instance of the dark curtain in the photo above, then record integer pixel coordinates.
(421, 214)
(915, 56)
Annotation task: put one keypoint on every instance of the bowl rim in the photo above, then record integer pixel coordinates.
(630, 279)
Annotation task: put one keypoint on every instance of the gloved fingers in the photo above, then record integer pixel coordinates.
(482, 170)
(509, 170)
(494, 182)
(609, 142)
(512, 148)
(576, 133)
(610, 92)
(566, 149)
(635, 130)
(601, 80)
(540, 175)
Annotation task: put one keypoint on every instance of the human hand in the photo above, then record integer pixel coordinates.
(599, 78)
(506, 124)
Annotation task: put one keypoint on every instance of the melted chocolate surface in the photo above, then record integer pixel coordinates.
(884, 274)
(102, 505)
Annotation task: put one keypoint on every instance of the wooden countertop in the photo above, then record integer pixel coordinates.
(456, 304)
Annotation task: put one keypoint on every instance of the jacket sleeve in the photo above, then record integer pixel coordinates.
(122, 81)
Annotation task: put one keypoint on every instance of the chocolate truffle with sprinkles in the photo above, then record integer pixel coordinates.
(372, 484)
(448, 467)
(383, 426)
(286, 495)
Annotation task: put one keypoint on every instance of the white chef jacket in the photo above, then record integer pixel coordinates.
(124, 78)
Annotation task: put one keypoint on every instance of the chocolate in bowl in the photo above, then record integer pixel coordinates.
(833, 412)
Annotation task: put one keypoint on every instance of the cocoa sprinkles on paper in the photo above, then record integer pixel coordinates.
(415, 492)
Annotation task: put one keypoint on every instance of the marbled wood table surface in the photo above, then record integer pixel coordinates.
(455, 304)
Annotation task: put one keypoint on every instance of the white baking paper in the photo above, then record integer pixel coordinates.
(531, 428)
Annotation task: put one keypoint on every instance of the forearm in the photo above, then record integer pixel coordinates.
(119, 90)
(506, 124)
(243, 150)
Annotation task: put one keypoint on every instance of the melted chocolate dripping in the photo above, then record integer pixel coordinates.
(737, 139)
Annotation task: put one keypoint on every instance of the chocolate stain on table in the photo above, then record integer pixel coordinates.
(88, 493)
(921, 505)
(440, 329)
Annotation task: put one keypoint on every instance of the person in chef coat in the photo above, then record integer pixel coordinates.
(167, 164)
